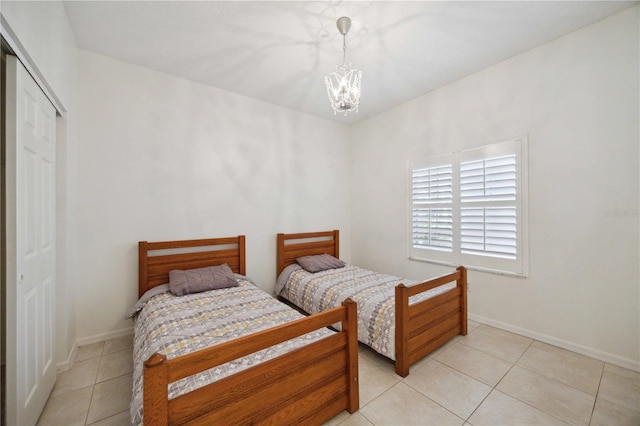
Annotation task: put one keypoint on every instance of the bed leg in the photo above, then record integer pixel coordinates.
(156, 393)
(402, 324)
(462, 283)
(350, 325)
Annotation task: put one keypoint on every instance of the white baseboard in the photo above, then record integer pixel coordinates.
(105, 336)
(68, 363)
(564, 344)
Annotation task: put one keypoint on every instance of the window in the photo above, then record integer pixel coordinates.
(469, 208)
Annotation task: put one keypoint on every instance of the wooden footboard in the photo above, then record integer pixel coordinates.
(425, 326)
(306, 386)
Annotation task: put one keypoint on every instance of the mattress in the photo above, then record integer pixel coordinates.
(374, 293)
(175, 326)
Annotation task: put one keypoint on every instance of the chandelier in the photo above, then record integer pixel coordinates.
(343, 85)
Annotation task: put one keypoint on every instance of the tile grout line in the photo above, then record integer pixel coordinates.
(518, 399)
(86, 416)
(436, 402)
(479, 381)
(595, 400)
(102, 355)
(466, 420)
(93, 387)
(562, 383)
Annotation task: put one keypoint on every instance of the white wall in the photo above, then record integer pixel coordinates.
(44, 34)
(162, 158)
(577, 100)
(41, 35)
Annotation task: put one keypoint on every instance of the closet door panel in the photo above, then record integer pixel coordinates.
(30, 207)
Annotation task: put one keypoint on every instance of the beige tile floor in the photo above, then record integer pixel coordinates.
(489, 377)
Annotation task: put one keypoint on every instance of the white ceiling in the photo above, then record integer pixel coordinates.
(279, 51)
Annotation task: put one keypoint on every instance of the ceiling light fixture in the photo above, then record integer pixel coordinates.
(343, 85)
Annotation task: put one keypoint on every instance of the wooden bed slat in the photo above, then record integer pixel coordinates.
(420, 308)
(419, 353)
(315, 245)
(412, 290)
(422, 323)
(309, 235)
(294, 253)
(441, 327)
(204, 242)
(329, 409)
(155, 270)
(164, 269)
(314, 401)
(181, 258)
(230, 404)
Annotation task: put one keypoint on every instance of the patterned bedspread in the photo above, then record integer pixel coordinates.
(374, 293)
(176, 326)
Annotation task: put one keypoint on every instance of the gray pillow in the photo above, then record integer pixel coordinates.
(201, 279)
(319, 262)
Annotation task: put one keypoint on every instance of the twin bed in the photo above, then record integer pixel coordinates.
(400, 319)
(236, 355)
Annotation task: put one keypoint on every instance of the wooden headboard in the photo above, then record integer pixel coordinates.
(153, 268)
(309, 243)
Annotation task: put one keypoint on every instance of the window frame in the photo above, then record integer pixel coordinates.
(518, 267)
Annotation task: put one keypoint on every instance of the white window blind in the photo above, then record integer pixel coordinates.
(470, 208)
(432, 215)
(488, 216)
(489, 231)
(491, 179)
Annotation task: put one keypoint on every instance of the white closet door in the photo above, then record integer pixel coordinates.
(31, 171)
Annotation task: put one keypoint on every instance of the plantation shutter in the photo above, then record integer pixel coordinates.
(488, 214)
(469, 208)
(432, 214)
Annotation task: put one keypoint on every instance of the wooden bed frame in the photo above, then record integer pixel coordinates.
(308, 385)
(421, 327)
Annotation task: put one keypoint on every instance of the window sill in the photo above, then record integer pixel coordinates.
(470, 268)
